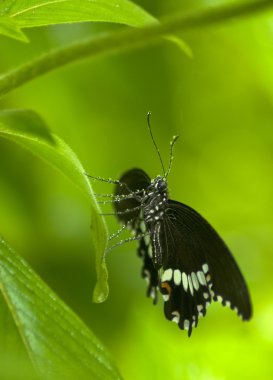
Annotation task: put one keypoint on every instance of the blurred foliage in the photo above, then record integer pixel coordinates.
(26, 128)
(221, 104)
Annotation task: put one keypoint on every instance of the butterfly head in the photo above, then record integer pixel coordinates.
(160, 184)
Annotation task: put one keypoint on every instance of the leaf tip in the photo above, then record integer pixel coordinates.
(101, 290)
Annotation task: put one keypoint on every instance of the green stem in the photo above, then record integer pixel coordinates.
(126, 39)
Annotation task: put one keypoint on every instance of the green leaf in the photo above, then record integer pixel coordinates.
(129, 39)
(30, 13)
(12, 349)
(58, 342)
(9, 28)
(28, 129)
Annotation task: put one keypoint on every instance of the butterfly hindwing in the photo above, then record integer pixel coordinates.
(197, 267)
(148, 272)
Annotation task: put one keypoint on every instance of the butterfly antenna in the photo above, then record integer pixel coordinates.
(156, 147)
(172, 144)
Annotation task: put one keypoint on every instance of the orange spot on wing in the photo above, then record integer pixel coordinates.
(166, 286)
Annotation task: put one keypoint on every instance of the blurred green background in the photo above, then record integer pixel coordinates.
(221, 104)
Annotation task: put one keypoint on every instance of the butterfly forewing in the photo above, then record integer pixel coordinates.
(132, 181)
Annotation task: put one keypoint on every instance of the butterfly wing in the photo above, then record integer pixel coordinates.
(132, 181)
(197, 267)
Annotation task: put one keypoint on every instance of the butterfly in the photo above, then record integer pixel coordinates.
(183, 257)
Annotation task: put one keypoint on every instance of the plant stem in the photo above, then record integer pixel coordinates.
(126, 39)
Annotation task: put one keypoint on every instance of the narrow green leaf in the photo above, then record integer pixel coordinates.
(128, 39)
(28, 129)
(57, 341)
(30, 13)
(9, 28)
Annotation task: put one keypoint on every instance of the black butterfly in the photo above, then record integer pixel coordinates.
(183, 256)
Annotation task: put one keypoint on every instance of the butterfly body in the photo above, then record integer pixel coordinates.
(154, 204)
(183, 256)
